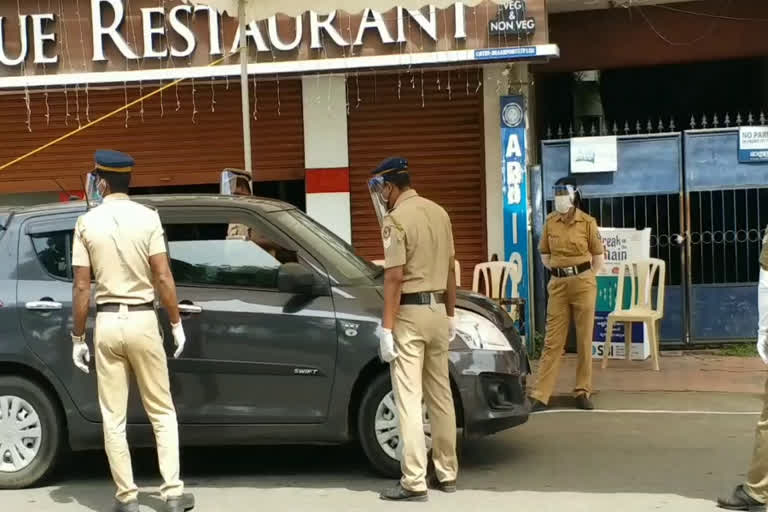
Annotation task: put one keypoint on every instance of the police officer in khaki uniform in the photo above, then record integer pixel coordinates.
(121, 245)
(753, 494)
(237, 182)
(572, 250)
(417, 327)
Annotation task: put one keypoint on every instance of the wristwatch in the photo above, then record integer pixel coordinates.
(77, 339)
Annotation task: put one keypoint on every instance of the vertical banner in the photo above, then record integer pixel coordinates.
(621, 245)
(515, 200)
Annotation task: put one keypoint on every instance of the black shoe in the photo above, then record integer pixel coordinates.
(399, 493)
(537, 405)
(740, 500)
(583, 402)
(130, 506)
(180, 503)
(449, 486)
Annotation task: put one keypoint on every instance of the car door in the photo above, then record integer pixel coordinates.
(45, 306)
(254, 354)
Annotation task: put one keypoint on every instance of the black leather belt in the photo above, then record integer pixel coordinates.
(113, 307)
(571, 271)
(422, 298)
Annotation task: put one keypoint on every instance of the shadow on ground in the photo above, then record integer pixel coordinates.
(695, 456)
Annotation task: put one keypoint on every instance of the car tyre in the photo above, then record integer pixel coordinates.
(38, 401)
(381, 462)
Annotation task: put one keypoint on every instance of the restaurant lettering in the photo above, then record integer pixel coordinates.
(37, 33)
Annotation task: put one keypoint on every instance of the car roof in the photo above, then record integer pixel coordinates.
(260, 204)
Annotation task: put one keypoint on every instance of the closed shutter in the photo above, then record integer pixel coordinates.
(443, 142)
(190, 145)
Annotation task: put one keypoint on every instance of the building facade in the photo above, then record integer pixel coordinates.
(330, 96)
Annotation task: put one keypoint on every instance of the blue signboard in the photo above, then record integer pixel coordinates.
(515, 191)
(753, 144)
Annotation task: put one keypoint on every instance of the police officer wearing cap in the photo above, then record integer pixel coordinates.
(121, 245)
(572, 250)
(417, 327)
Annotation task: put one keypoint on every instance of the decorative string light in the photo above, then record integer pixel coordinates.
(45, 72)
(357, 84)
(132, 26)
(85, 68)
(125, 93)
(423, 102)
(255, 99)
(27, 99)
(68, 55)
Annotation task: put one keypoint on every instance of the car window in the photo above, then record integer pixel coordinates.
(54, 252)
(329, 248)
(217, 254)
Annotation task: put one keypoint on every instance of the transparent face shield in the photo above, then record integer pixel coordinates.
(565, 197)
(233, 184)
(92, 194)
(376, 189)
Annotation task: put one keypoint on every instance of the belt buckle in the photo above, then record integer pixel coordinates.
(569, 271)
(425, 298)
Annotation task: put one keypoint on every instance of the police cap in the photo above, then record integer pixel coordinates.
(112, 161)
(390, 167)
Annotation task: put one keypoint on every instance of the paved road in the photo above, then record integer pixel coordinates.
(602, 461)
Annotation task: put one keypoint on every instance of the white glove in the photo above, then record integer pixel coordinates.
(451, 328)
(762, 347)
(179, 338)
(387, 350)
(81, 355)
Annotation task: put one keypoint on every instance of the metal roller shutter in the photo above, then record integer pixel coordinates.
(443, 142)
(170, 147)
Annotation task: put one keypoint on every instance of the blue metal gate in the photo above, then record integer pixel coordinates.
(645, 192)
(727, 211)
(706, 212)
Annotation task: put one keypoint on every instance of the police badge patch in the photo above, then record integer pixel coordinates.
(386, 233)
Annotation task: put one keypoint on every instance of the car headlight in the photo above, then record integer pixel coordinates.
(475, 332)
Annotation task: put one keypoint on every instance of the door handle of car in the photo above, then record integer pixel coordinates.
(189, 309)
(44, 305)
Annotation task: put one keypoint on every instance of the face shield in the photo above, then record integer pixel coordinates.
(92, 193)
(565, 197)
(233, 184)
(376, 189)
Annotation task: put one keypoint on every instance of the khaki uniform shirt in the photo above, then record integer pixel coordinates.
(764, 252)
(116, 240)
(417, 235)
(570, 244)
(238, 232)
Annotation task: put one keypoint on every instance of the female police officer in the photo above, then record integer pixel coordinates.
(572, 251)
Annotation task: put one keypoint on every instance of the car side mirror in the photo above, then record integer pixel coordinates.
(297, 279)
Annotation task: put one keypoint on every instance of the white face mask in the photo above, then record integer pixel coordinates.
(563, 204)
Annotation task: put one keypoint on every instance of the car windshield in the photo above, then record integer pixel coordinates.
(347, 267)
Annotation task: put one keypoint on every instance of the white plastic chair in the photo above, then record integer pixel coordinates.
(457, 267)
(498, 278)
(641, 309)
(497, 275)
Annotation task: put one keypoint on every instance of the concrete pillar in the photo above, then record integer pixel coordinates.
(493, 89)
(326, 152)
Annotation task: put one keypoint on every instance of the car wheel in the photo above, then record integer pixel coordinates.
(30, 433)
(379, 427)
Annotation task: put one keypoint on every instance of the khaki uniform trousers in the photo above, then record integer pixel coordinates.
(125, 343)
(421, 338)
(757, 477)
(569, 297)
